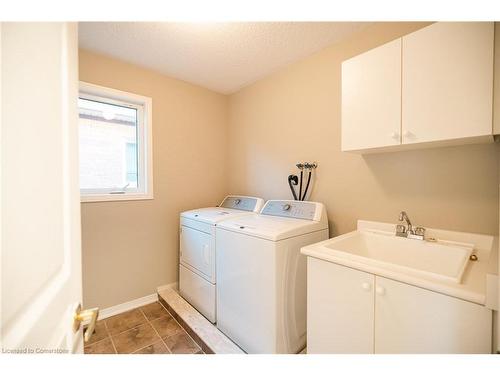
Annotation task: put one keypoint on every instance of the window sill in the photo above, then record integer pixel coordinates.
(89, 198)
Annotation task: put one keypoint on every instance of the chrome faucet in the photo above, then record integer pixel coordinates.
(403, 216)
(408, 231)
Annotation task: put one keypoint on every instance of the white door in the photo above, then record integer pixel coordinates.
(371, 98)
(339, 309)
(447, 82)
(40, 201)
(409, 320)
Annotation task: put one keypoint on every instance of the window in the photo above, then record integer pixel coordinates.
(131, 163)
(115, 145)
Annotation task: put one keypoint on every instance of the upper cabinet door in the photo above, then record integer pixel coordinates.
(371, 98)
(447, 84)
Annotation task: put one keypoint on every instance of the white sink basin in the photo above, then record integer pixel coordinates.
(442, 261)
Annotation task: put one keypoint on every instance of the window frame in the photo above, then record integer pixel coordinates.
(144, 107)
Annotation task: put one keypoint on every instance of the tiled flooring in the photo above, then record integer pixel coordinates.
(146, 330)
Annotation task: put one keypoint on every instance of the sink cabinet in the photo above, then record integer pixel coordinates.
(340, 310)
(351, 311)
(410, 319)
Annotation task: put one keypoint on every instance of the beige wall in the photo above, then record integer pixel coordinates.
(130, 248)
(294, 115)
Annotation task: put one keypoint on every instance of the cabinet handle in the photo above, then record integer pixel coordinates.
(408, 134)
(366, 286)
(394, 135)
(380, 290)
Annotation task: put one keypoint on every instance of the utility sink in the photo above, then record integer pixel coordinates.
(439, 260)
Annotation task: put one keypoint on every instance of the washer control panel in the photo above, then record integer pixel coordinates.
(239, 203)
(292, 209)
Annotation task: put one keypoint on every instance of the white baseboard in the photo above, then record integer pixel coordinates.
(173, 286)
(130, 305)
(122, 307)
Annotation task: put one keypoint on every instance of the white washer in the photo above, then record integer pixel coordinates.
(197, 249)
(261, 275)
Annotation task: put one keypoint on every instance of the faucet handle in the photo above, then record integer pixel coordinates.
(419, 231)
(401, 230)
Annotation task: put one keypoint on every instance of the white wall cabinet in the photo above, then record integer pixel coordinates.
(371, 98)
(444, 93)
(447, 84)
(351, 311)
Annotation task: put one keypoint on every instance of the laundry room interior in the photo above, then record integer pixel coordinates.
(207, 145)
(279, 187)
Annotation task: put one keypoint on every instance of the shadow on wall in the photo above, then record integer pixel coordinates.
(423, 177)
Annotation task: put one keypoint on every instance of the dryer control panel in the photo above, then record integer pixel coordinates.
(242, 203)
(292, 209)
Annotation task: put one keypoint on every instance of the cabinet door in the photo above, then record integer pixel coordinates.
(409, 319)
(339, 309)
(371, 98)
(447, 84)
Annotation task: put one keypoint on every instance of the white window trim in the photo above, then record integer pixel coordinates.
(144, 142)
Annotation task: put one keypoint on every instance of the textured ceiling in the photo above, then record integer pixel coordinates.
(223, 57)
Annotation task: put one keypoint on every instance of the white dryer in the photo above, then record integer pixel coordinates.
(197, 249)
(261, 275)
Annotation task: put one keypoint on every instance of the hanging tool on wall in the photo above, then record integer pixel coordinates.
(310, 167)
(301, 169)
(293, 180)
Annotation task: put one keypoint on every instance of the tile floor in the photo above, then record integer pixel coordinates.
(149, 329)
